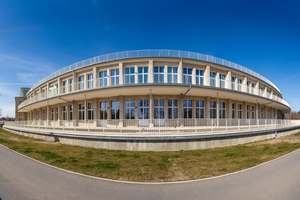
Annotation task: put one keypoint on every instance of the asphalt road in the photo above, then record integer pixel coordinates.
(23, 178)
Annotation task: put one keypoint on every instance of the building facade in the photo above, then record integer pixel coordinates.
(150, 88)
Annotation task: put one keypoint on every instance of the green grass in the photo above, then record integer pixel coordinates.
(150, 166)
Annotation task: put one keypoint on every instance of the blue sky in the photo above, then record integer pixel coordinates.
(40, 37)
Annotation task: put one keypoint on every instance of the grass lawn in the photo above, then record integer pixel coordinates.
(151, 166)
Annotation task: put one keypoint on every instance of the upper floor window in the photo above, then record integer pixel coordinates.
(103, 78)
(239, 84)
(90, 81)
(129, 75)
(114, 77)
(158, 73)
(233, 79)
(64, 87)
(187, 76)
(172, 75)
(143, 74)
(199, 77)
(80, 82)
(212, 79)
(71, 85)
(222, 80)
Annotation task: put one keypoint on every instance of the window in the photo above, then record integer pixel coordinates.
(261, 113)
(172, 108)
(213, 79)
(103, 78)
(44, 114)
(143, 74)
(222, 80)
(239, 85)
(81, 83)
(81, 111)
(52, 114)
(233, 111)
(199, 109)
(56, 113)
(233, 83)
(159, 110)
(158, 73)
(65, 112)
(222, 110)
(248, 87)
(213, 107)
(143, 108)
(115, 107)
(187, 76)
(71, 85)
(64, 87)
(172, 75)
(253, 88)
(187, 109)
(90, 111)
(199, 77)
(252, 112)
(248, 111)
(239, 109)
(20, 102)
(71, 112)
(114, 77)
(24, 93)
(130, 109)
(103, 110)
(90, 81)
(261, 90)
(129, 75)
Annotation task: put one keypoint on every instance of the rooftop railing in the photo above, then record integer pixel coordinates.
(152, 53)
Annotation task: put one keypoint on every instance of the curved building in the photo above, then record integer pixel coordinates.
(150, 88)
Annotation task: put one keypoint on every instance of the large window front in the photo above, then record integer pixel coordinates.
(213, 108)
(80, 82)
(64, 87)
(103, 110)
(222, 80)
(115, 107)
(71, 85)
(233, 83)
(90, 81)
(158, 73)
(129, 75)
(103, 78)
(114, 77)
(65, 112)
(188, 109)
(212, 79)
(159, 110)
(199, 77)
(187, 76)
(172, 108)
(172, 75)
(90, 111)
(130, 109)
(143, 74)
(81, 111)
(199, 109)
(222, 110)
(143, 108)
(239, 85)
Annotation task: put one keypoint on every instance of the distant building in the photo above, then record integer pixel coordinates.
(18, 101)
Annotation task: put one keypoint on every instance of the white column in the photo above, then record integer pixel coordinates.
(150, 72)
(217, 79)
(121, 75)
(194, 76)
(257, 88)
(245, 84)
(228, 80)
(95, 77)
(108, 77)
(180, 72)
(136, 80)
(166, 74)
(207, 76)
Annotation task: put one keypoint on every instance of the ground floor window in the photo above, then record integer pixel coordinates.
(103, 110)
(199, 109)
(52, 114)
(56, 113)
(233, 111)
(172, 108)
(130, 109)
(44, 114)
(188, 109)
(222, 110)
(115, 110)
(71, 112)
(143, 108)
(239, 111)
(81, 111)
(159, 110)
(252, 112)
(65, 111)
(90, 111)
(213, 108)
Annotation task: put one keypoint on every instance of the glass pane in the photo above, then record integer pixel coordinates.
(140, 113)
(140, 103)
(132, 103)
(190, 103)
(113, 104)
(197, 103)
(146, 113)
(162, 113)
(155, 102)
(140, 70)
(145, 78)
(131, 70)
(185, 103)
(146, 103)
(169, 69)
(175, 103)
(162, 102)
(126, 103)
(155, 70)
(155, 78)
(161, 78)
(174, 69)
(169, 102)
(155, 113)
(145, 69)
(175, 79)
(140, 78)
(175, 110)
(161, 69)
(132, 113)
(126, 70)
(112, 72)
(189, 71)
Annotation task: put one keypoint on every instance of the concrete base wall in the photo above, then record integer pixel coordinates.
(158, 144)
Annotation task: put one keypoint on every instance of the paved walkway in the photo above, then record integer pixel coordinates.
(23, 178)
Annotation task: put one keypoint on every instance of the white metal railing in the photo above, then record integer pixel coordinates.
(152, 53)
(149, 127)
(131, 79)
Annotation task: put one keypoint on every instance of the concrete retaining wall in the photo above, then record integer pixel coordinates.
(158, 143)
